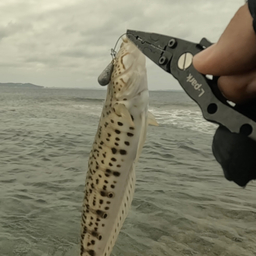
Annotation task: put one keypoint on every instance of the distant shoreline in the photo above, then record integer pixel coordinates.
(33, 86)
(21, 85)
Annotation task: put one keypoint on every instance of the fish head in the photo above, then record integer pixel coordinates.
(129, 77)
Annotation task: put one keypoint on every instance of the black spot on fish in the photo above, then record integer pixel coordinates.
(107, 139)
(101, 201)
(110, 195)
(113, 150)
(131, 128)
(93, 242)
(108, 171)
(106, 208)
(117, 174)
(103, 193)
(123, 152)
(117, 144)
(117, 139)
(112, 121)
(97, 181)
(100, 213)
(113, 159)
(112, 186)
(109, 135)
(82, 248)
(132, 117)
(106, 181)
(110, 164)
(130, 134)
(127, 143)
(117, 131)
(120, 124)
(95, 234)
(104, 187)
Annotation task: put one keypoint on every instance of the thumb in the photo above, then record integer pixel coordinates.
(207, 61)
(216, 60)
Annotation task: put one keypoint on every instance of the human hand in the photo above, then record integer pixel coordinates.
(233, 58)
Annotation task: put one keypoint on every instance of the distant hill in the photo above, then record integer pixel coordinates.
(20, 85)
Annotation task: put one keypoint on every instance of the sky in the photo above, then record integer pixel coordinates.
(64, 43)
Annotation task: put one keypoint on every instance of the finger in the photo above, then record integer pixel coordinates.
(235, 52)
(238, 88)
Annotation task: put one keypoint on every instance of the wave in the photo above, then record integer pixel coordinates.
(183, 118)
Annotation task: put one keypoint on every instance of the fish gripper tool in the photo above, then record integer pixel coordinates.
(175, 56)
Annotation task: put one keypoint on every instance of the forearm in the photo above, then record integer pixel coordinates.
(252, 8)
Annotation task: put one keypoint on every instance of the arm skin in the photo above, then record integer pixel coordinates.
(233, 58)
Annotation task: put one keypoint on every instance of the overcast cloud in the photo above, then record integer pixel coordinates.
(65, 43)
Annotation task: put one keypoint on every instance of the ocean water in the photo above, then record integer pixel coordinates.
(182, 205)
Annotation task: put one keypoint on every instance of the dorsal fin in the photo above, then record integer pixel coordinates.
(121, 110)
(152, 120)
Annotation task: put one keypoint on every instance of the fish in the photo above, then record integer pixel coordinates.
(121, 133)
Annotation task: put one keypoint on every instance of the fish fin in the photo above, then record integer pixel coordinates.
(121, 110)
(142, 139)
(152, 120)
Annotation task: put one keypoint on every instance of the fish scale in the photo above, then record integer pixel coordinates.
(110, 179)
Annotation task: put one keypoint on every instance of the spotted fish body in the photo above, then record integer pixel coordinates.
(121, 133)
